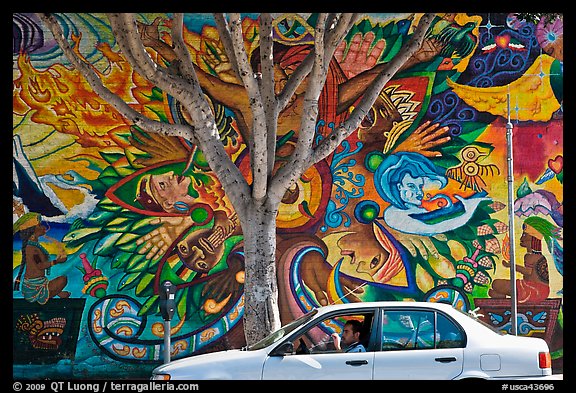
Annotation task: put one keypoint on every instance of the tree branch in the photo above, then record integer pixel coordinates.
(316, 81)
(325, 44)
(226, 39)
(258, 142)
(186, 66)
(327, 145)
(267, 88)
(295, 80)
(117, 102)
(189, 95)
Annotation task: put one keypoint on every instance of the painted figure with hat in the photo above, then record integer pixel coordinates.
(534, 286)
(36, 263)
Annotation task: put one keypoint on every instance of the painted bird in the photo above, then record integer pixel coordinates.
(456, 39)
(469, 173)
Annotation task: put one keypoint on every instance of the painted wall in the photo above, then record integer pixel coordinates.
(120, 210)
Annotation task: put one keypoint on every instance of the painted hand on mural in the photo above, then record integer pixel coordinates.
(425, 140)
(156, 243)
(150, 36)
(217, 61)
(160, 148)
(361, 54)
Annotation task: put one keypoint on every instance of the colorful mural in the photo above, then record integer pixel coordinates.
(412, 206)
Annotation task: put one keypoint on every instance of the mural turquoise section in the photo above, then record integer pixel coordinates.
(412, 206)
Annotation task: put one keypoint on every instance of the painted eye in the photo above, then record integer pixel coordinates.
(374, 262)
(183, 248)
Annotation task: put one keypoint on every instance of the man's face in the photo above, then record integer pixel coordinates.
(348, 336)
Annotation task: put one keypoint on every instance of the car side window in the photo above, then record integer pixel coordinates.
(449, 335)
(425, 331)
(397, 330)
(317, 339)
(407, 330)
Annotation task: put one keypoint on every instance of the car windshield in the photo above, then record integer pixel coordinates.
(283, 331)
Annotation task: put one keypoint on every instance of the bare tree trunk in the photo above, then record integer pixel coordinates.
(261, 312)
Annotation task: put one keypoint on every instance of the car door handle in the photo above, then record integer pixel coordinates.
(446, 360)
(356, 362)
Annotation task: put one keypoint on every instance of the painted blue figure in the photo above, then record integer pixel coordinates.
(401, 180)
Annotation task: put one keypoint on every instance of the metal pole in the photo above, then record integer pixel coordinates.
(166, 341)
(513, 296)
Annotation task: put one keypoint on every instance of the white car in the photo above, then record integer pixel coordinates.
(403, 340)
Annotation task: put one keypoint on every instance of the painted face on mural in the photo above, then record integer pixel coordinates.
(376, 257)
(369, 257)
(379, 120)
(169, 188)
(411, 189)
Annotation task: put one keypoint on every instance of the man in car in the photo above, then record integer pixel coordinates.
(350, 337)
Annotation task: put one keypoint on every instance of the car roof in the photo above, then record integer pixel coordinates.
(386, 303)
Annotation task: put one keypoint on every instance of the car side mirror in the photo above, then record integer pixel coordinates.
(283, 349)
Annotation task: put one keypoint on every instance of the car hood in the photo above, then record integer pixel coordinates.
(230, 364)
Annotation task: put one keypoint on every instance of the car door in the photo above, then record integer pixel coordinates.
(413, 348)
(357, 365)
(315, 357)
